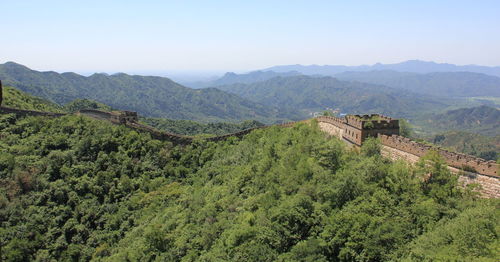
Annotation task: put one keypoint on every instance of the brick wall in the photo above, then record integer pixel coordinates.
(453, 159)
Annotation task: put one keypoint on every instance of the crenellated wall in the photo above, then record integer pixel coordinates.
(471, 169)
(457, 160)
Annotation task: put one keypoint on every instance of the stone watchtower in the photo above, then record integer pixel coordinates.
(359, 127)
(123, 117)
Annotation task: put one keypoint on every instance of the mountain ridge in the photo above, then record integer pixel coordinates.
(149, 95)
(454, 84)
(415, 66)
(318, 93)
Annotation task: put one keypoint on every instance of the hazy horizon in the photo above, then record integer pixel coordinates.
(220, 36)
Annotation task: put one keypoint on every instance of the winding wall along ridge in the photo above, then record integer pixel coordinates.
(478, 170)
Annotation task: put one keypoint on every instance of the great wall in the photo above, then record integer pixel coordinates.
(353, 129)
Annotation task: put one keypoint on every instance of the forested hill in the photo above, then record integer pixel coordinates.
(486, 147)
(150, 96)
(446, 84)
(483, 120)
(77, 189)
(317, 93)
(15, 98)
(252, 77)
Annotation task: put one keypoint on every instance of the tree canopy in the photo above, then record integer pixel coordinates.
(77, 189)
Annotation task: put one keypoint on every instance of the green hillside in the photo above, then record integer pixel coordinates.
(482, 120)
(469, 143)
(80, 104)
(15, 98)
(231, 78)
(77, 189)
(309, 94)
(187, 127)
(150, 96)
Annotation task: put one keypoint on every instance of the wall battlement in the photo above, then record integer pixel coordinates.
(457, 160)
(373, 121)
(336, 121)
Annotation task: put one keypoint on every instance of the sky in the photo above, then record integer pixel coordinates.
(217, 36)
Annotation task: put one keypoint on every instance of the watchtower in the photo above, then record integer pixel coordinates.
(124, 116)
(359, 127)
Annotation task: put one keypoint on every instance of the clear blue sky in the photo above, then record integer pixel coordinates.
(130, 36)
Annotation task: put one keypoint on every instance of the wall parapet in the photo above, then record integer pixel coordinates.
(336, 121)
(457, 160)
(373, 121)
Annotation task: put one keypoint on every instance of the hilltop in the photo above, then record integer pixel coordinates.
(150, 96)
(15, 98)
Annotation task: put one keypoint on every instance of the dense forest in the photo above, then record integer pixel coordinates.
(77, 189)
(188, 127)
(485, 147)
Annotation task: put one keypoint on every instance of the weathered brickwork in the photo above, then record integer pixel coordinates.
(453, 159)
(357, 128)
(331, 129)
(489, 185)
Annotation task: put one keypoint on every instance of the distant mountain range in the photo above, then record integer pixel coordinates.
(310, 94)
(412, 66)
(419, 77)
(265, 96)
(448, 84)
(150, 96)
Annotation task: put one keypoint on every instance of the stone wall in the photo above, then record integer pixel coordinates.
(490, 185)
(453, 159)
(331, 129)
(95, 114)
(336, 121)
